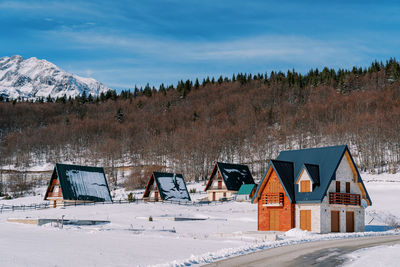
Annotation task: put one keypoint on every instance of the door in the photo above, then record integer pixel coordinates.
(274, 220)
(219, 184)
(156, 196)
(347, 187)
(335, 222)
(338, 186)
(349, 221)
(213, 196)
(305, 220)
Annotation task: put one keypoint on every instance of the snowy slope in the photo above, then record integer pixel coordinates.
(32, 78)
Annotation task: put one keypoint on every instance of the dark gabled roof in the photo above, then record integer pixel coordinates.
(235, 175)
(327, 158)
(82, 183)
(321, 165)
(284, 170)
(313, 172)
(171, 186)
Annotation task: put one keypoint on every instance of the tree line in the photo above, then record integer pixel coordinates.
(246, 118)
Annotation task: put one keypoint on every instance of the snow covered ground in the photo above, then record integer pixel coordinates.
(388, 256)
(132, 240)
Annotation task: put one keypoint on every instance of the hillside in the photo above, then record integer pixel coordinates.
(244, 118)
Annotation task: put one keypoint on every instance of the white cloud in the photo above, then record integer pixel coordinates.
(260, 48)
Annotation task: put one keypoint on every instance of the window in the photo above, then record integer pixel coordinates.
(224, 194)
(305, 186)
(347, 187)
(337, 186)
(219, 184)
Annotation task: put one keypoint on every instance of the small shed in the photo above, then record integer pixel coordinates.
(246, 192)
(74, 183)
(166, 186)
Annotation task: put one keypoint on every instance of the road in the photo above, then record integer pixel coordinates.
(320, 253)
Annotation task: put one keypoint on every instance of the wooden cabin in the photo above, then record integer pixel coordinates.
(318, 190)
(226, 179)
(166, 186)
(77, 184)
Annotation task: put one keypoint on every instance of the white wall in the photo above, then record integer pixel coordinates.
(343, 174)
(214, 182)
(315, 216)
(219, 194)
(326, 209)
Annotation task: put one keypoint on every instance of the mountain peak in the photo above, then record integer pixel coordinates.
(32, 78)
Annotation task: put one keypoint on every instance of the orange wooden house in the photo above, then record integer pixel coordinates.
(318, 190)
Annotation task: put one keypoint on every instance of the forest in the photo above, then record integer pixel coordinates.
(246, 118)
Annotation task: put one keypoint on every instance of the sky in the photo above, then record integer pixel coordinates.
(127, 43)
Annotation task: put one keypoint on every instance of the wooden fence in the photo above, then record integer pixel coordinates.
(40, 206)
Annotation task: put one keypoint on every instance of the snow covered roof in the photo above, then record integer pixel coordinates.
(81, 183)
(234, 175)
(170, 186)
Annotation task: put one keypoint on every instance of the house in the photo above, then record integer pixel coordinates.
(226, 180)
(166, 186)
(74, 183)
(246, 192)
(318, 190)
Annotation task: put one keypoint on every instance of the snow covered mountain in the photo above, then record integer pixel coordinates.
(33, 78)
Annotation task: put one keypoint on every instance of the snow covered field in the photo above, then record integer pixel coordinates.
(388, 256)
(131, 239)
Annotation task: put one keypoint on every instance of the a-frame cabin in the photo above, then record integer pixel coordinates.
(166, 186)
(226, 179)
(77, 184)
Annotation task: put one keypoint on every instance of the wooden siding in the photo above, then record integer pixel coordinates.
(270, 216)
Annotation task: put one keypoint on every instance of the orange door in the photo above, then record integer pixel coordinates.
(274, 220)
(305, 220)
(213, 196)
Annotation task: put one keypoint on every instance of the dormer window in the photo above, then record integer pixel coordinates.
(305, 186)
(308, 178)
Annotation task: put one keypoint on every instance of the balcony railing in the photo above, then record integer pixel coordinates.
(54, 194)
(344, 199)
(273, 199)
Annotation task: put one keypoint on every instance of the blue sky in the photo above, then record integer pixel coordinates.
(123, 43)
